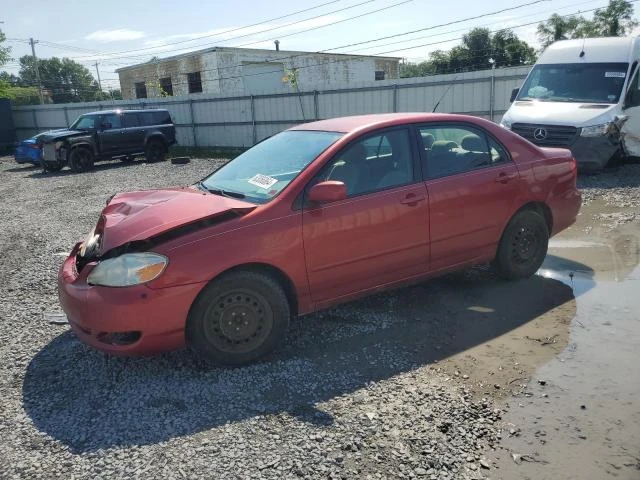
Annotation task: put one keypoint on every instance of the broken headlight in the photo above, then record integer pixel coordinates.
(595, 130)
(90, 245)
(128, 269)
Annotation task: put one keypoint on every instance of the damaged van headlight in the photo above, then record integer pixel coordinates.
(595, 130)
(90, 245)
(128, 269)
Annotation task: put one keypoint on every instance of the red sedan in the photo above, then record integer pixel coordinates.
(314, 216)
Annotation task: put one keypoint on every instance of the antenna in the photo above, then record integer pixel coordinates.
(445, 92)
(582, 52)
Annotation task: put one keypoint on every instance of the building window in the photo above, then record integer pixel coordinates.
(379, 74)
(195, 82)
(166, 86)
(141, 90)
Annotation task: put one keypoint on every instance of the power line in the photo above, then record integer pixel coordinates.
(378, 53)
(232, 30)
(290, 57)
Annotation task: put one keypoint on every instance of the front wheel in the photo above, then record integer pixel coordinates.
(523, 245)
(238, 318)
(155, 151)
(81, 160)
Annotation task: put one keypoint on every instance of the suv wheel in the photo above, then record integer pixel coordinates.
(81, 160)
(155, 151)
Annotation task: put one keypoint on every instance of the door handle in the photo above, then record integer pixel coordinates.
(505, 177)
(412, 199)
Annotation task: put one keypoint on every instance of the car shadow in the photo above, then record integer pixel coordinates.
(25, 167)
(89, 401)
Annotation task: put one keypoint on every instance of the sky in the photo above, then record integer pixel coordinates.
(118, 33)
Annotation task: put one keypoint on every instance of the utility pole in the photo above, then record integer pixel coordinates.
(35, 63)
(98, 72)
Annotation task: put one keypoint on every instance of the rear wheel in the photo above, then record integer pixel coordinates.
(155, 151)
(238, 318)
(81, 160)
(523, 245)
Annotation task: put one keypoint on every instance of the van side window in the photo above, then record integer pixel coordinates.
(633, 94)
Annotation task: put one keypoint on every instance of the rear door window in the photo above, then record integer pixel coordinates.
(131, 120)
(452, 149)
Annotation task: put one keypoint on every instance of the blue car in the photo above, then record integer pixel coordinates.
(28, 151)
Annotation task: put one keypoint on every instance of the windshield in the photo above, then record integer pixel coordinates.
(575, 82)
(264, 170)
(84, 122)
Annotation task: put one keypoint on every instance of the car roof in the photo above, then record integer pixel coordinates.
(124, 110)
(360, 122)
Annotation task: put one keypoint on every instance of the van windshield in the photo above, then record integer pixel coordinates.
(575, 82)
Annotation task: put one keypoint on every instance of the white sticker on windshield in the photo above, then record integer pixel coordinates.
(615, 74)
(263, 181)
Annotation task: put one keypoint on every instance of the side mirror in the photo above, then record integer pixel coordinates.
(329, 191)
(514, 94)
(106, 126)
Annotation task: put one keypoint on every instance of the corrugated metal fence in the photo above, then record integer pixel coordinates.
(241, 121)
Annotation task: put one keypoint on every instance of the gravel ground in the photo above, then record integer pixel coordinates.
(359, 405)
(367, 401)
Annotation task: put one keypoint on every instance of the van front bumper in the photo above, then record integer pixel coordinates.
(594, 153)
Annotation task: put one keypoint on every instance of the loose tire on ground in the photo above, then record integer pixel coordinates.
(238, 318)
(155, 151)
(523, 245)
(81, 160)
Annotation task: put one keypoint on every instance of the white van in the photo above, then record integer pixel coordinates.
(582, 95)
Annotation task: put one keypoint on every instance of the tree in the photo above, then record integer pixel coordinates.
(66, 80)
(558, 28)
(478, 47)
(4, 51)
(616, 20)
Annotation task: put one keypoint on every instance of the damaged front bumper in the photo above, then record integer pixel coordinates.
(131, 321)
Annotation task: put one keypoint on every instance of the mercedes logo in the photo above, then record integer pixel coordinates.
(539, 134)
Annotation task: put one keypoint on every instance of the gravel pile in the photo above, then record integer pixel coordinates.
(618, 187)
(361, 403)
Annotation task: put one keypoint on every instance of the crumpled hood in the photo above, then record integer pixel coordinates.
(144, 214)
(559, 113)
(60, 134)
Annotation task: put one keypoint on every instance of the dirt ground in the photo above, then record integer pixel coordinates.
(556, 354)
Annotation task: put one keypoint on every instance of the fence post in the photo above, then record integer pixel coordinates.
(493, 94)
(395, 97)
(193, 123)
(253, 120)
(315, 105)
(35, 119)
(66, 116)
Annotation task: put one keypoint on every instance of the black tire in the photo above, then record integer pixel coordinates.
(523, 245)
(81, 160)
(155, 151)
(180, 160)
(238, 318)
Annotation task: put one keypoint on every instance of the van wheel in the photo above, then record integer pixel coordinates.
(155, 151)
(238, 318)
(523, 245)
(81, 160)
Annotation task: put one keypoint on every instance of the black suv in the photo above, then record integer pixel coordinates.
(108, 134)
